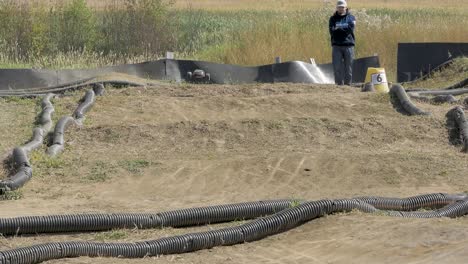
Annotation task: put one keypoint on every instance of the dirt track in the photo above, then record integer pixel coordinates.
(178, 146)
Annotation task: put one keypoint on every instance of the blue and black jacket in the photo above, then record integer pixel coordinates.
(342, 29)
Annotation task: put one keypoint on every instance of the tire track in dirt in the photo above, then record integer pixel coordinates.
(288, 183)
(190, 183)
(172, 177)
(272, 174)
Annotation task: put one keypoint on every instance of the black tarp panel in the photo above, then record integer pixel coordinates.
(176, 70)
(418, 59)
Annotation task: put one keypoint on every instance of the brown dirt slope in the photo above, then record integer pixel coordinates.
(178, 146)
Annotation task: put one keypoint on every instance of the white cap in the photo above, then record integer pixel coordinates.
(341, 3)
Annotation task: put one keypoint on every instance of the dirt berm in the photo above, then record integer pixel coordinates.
(180, 146)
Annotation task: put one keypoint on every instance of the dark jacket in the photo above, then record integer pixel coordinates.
(342, 29)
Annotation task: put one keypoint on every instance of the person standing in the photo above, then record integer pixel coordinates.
(341, 26)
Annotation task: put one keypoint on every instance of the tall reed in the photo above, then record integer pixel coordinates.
(88, 33)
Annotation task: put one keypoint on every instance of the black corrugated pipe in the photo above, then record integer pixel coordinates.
(44, 120)
(458, 126)
(196, 216)
(453, 92)
(99, 89)
(426, 201)
(45, 117)
(254, 230)
(438, 99)
(23, 172)
(36, 140)
(78, 115)
(86, 104)
(21, 165)
(58, 136)
(177, 218)
(453, 210)
(399, 92)
(441, 99)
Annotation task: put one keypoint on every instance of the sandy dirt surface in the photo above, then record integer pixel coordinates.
(178, 146)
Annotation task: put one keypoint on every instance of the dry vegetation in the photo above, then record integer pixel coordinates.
(76, 33)
(288, 5)
(457, 71)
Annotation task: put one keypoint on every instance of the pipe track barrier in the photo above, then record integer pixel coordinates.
(23, 171)
(20, 160)
(88, 100)
(36, 140)
(432, 201)
(458, 127)
(45, 118)
(445, 95)
(177, 218)
(441, 99)
(453, 92)
(438, 99)
(196, 216)
(58, 140)
(402, 98)
(35, 92)
(99, 89)
(286, 219)
(19, 156)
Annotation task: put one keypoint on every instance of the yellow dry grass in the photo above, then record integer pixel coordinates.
(289, 5)
(305, 4)
(296, 37)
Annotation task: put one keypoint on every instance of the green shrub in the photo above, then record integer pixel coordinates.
(77, 27)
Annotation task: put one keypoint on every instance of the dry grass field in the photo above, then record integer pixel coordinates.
(80, 34)
(307, 4)
(289, 4)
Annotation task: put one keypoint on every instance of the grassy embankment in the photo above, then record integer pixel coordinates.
(80, 33)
